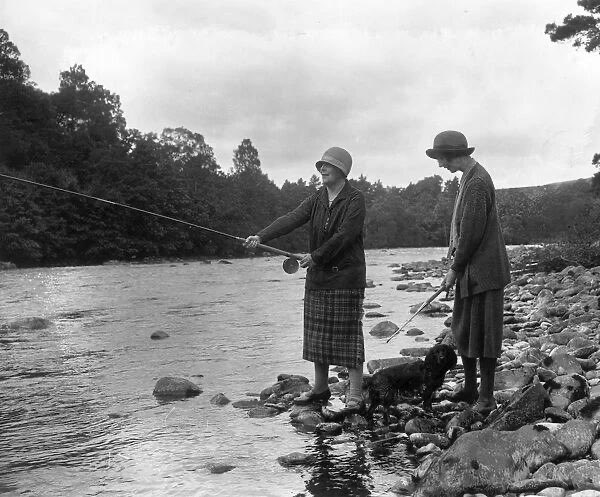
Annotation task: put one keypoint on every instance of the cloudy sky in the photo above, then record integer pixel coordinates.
(379, 78)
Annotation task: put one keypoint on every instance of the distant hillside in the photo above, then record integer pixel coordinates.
(545, 213)
(576, 185)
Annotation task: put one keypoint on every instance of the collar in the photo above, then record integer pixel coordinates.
(324, 197)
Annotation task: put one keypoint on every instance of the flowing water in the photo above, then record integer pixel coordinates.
(77, 414)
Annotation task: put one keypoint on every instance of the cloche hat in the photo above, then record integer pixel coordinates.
(449, 141)
(337, 157)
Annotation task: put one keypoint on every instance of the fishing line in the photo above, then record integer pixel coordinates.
(290, 265)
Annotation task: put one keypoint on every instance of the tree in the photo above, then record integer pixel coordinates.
(11, 66)
(245, 158)
(596, 178)
(584, 30)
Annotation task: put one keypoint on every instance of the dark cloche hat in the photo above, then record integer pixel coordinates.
(449, 141)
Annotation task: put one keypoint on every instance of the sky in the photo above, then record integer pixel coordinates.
(377, 78)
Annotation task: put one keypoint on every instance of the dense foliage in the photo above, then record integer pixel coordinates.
(76, 138)
(584, 31)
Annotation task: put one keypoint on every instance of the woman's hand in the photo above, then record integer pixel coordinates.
(252, 241)
(449, 279)
(307, 261)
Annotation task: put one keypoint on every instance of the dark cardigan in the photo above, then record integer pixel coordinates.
(336, 237)
(480, 257)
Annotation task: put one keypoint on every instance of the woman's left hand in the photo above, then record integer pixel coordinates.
(307, 261)
(449, 280)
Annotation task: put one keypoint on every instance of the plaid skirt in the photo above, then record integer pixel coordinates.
(477, 323)
(333, 326)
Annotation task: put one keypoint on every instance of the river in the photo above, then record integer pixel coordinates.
(77, 414)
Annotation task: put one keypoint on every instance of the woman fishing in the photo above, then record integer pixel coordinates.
(335, 279)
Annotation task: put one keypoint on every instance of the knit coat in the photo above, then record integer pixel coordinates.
(336, 237)
(480, 257)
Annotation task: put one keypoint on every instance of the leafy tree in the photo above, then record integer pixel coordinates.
(584, 30)
(11, 66)
(596, 178)
(245, 158)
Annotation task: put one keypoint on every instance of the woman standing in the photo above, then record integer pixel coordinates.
(336, 276)
(480, 268)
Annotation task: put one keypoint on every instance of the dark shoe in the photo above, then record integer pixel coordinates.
(464, 396)
(310, 397)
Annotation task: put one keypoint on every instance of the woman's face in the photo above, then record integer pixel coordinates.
(449, 164)
(330, 175)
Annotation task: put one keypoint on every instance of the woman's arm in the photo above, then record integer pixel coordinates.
(288, 222)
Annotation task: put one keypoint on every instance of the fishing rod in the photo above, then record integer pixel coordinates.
(290, 265)
(423, 305)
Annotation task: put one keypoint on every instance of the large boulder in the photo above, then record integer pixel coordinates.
(173, 387)
(489, 461)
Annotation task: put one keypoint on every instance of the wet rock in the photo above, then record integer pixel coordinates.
(219, 400)
(488, 461)
(309, 419)
(422, 439)
(371, 305)
(572, 387)
(421, 425)
(525, 407)
(414, 351)
(159, 335)
(586, 475)
(374, 314)
(383, 329)
(532, 485)
(263, 412)
(562, 364)
(224, 261)
(247, 404)
(433, 307)
(404, 486)
(414, 332)
(577, 436)
(557, 415)
(355, 421)
(296, 459)
(294, 385)
(31, 323)
(173, 387)
(513, 378)
(595, 450)
(464, 419)
(419, 287)
(329, 429)
(218, 468)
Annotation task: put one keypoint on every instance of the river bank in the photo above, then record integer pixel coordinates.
(543, 438)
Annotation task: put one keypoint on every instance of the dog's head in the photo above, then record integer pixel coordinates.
(439, 360)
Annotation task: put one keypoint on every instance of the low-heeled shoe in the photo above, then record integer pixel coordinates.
(310, 397)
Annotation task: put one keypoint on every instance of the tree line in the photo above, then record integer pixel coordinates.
(76, 138)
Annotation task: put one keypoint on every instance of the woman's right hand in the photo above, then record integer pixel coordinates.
(252, 241)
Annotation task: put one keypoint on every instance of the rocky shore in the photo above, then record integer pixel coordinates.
(543, 439)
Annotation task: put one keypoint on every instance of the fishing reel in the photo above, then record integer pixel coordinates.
(290, 265)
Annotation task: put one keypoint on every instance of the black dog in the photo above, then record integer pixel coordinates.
(424, 377)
